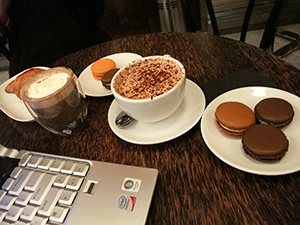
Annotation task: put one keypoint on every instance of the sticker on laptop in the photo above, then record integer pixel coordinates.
(130, 184)
(127, 202)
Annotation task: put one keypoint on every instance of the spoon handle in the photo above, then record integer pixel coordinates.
(123, 120)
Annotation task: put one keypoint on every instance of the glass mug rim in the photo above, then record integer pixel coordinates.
(71, 73)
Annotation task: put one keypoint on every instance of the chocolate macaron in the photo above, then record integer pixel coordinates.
(274, 111)
(265, 143)
(234, 118)
(107, 77)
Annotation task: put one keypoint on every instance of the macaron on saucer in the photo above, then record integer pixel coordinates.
(102, 66)
(107, 77)
(265, 143)
(274, 111)
(234, 118)
(92, 86)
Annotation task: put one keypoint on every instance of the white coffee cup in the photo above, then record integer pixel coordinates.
(157, 108)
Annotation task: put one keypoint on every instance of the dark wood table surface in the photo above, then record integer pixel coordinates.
(193, 186)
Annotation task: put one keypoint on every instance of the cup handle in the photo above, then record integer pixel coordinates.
(79, 86)
(167, 56)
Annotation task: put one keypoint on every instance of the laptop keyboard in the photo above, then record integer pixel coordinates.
(41, 190)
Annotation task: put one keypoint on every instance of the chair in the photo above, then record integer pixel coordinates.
(212, 17)
(246, 20)
(289, 48)
(3, 41)
(267, 40)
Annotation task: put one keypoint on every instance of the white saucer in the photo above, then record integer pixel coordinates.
(186, 116)
(92, 86)
(11, 105)
(230, 150)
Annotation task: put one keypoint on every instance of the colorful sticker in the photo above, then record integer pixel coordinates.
(127, 202)
(131, 184)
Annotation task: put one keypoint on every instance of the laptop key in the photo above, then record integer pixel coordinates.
(7, 184)
(15, 173)
(50, 201)
(45, 163)
(58, 214)
(67, 197)
(13, 213)
(7, 201)
(24, 160)
(2, 194)
(34, 161)
(34, 181)
(37, 220)
(74, 183)
(6, 223)
(29, 212)
(42, 189)
(2, 215)
(20, 182)
(61, 180)
(20, 223)
(57, 165)
(23, 198)
(68, 167)
(81, 169)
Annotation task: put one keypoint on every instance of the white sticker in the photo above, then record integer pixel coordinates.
(131, 184)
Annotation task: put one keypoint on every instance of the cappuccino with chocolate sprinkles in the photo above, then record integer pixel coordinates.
(148, 78)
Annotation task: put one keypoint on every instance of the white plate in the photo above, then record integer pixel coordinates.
(93, 87)
(230, 150)
(11, 105)
(184, 118)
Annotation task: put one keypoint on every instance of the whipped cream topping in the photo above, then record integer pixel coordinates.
(47, 85)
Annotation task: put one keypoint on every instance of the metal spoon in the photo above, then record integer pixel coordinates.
(123, 120)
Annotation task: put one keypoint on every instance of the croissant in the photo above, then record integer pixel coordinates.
(16, 85)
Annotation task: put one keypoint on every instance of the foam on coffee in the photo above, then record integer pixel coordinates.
(148, 78)
(47, 85)
(57, 81)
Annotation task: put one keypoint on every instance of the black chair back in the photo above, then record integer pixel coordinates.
(270, 29)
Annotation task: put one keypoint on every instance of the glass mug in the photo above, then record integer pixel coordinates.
(56, 100)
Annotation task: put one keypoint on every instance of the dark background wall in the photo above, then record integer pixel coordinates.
(131, 17)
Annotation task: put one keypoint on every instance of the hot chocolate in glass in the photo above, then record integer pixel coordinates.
(56, 100)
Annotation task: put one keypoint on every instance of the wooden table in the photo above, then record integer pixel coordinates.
(194, 186)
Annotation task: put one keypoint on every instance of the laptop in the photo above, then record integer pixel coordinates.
(38, 188)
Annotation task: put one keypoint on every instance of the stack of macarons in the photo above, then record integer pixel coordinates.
(101, 66)
(104, 70)
(263, 141)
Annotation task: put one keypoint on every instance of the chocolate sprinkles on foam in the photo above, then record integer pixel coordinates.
(148, 78)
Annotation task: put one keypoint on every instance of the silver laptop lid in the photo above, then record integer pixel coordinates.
(109, 194)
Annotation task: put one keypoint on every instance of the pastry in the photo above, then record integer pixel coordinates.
(265, 143)
(107, 77)
(234, 118)
(101, 66)
(16, 85)
(274, 111)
